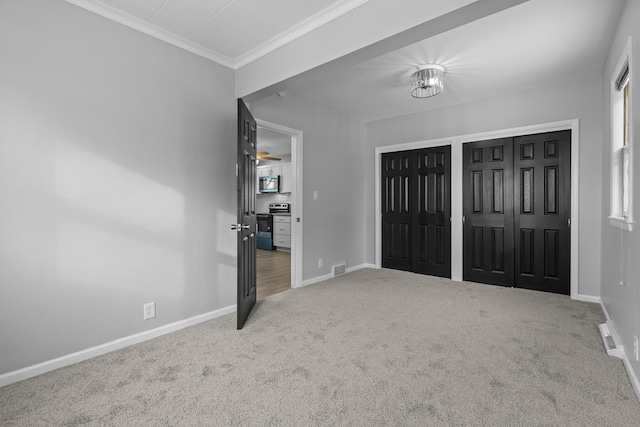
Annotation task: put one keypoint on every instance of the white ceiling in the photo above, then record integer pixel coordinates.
(532, 44)
(230, 32)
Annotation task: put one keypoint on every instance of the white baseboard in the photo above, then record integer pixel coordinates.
(79, 356)
(360, 267)
(324, 277)
(632, 375)
(606, 313)
(315, 280)
(625, 359)
(588, 298)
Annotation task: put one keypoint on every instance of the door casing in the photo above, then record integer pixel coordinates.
(456, 189)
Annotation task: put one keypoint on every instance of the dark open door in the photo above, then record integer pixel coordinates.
(246, 225)
(488, 212)
(542, 197)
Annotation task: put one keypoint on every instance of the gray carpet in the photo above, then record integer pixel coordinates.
(374, 347)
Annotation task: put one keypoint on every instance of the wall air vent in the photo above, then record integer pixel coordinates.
(338, 269)
(610, 339)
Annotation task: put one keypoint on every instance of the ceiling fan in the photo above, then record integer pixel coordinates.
(264, 155)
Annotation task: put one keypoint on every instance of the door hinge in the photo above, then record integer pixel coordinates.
(237, 172)
(569, 222)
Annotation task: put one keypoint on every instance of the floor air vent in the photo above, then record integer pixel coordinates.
(339, 269)
(611, 343)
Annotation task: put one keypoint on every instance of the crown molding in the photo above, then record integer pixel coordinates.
(317, 20)
(152, 30)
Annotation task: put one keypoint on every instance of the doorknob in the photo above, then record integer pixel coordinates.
(239, 227)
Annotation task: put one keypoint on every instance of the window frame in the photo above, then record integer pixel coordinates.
(621, 203)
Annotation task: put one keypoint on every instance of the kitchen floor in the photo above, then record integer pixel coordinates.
(274, 272)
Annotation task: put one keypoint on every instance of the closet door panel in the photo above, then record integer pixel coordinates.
(432, 211)
(397, 243)
(488, 212)
(542, 171)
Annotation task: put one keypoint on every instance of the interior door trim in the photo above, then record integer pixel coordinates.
(456, 189)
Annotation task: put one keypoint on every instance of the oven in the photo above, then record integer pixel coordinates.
(279, 208)
(265, 228)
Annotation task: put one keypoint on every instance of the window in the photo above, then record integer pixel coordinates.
(621, 143)
(625, 115)
(623, 87)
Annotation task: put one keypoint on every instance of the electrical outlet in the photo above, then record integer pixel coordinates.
(315, 194)
(149, 311)
(635, 348)
(319, 262)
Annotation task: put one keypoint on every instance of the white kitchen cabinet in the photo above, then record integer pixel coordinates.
(267, 170)
(286, 178)
(260, 171)
(263, 170)
(282, 231)
(282, 228)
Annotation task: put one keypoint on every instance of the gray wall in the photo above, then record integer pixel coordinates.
(333, 164)
(577, 99)
(621, 255)
(117, 182)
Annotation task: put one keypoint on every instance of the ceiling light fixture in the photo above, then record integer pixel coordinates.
(427, 81)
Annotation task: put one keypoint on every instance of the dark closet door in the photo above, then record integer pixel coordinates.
(542, 193)
(396, 217)
(431, 207)
(416, 211)
(488, 211)
(517, 206)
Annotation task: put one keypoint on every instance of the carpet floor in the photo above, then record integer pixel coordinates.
(373, 347)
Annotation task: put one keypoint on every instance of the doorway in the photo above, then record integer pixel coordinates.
(279, 261)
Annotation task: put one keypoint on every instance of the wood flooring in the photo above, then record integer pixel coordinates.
(274, 272)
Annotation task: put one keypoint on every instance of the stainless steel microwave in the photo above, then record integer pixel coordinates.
(269, 184)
